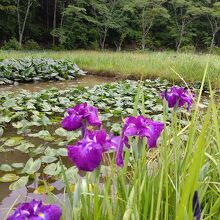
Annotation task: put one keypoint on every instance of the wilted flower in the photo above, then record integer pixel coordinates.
(196, 206)
(36, 210)
(178, 97)
(80, 116)
(142, 127)
(87, 153)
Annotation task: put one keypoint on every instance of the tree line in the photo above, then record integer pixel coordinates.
(111, 24)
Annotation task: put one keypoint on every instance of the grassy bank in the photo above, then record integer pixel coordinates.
(133, 65)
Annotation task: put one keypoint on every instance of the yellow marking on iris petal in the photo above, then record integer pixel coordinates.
(41, 214)
(90, 128)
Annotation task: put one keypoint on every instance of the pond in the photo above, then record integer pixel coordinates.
(19, 157)
(88, 80)
(30, 125)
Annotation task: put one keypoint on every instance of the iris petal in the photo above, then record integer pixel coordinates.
(71, 122)
(35, 210)
(196, 206)
(153, 133)
(142, 127)
(178, 96)
(92, 116)
(86, 157)
(79, 116)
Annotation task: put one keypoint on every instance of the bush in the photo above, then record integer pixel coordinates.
(31, 45)
(216, 50)
(11, 44)
(188, 49)
(57, 47)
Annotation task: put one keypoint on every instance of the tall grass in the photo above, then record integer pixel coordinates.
(133, 65)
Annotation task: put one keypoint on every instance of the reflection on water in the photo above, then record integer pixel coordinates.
(88, 80)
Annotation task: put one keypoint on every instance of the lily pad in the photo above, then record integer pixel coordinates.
(14, 141)
(62, 152)
(52, 169)
(43, 189)
(32, 166)
(48, 159)
(6, 168)
(43, 134)
(21, 182)
(1, 131)
(23, 147)
(61, 132)
(17, 165)
(9, 177)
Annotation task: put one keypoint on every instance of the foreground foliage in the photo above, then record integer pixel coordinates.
(41, 69)
(161, 184)
(177, 181)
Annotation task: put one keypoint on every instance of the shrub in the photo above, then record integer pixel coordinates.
(11, 44)
(31, 45)
(216, 50)
(188, 49)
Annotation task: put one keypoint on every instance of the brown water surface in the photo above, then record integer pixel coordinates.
(88, 80)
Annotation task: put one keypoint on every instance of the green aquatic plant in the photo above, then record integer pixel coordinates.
(37, 69)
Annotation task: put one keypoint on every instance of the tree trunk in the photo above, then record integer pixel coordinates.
(143, 42)
(213, 41)
(48, 21)
(21, 27)
(143, 30)
(180, 38)
(104, 39)
(18, 17)
(54, 19)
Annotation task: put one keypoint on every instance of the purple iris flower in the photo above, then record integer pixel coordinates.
(87, 153)
(178, 97)
(196, 206)
(79, 116)
(142, 127)
(36, 210)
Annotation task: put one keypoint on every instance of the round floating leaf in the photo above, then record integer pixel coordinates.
(52, 169)
(21, 182)
(6, 168)
(43, 134)
(17, 165)
(14, 141)
(23, 147)
(44, 189)
(2, 149)
(62, 152)
(50, 152)
(71, 174)
(32, 166)
(1, 131)
(9, 177)
(116, 127)
(61, 132)
(48, 159)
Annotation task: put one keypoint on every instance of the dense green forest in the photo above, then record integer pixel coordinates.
(110, 24)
